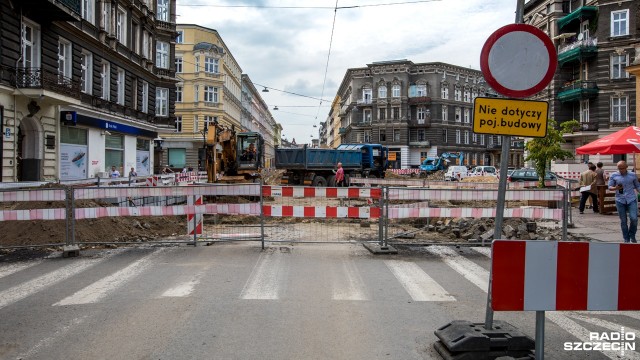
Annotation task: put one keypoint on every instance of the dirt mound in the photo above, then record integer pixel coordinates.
(481, 179)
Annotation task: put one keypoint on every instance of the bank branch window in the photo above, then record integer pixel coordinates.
(114, 152)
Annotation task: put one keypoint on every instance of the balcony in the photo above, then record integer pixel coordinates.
(587, 126)
(578, 90)
(364, 102)
(51, 10)
(426, 122)
(517, 145)
(578, 51)
(577, 16)
(420, 100)
(341, 131)
(494, 146)
(420, 143)
(36, 78)
(166, 26)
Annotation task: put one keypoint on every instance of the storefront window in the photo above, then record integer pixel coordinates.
(177, 158)
(143, 159)
(114, 152)
(73, 153)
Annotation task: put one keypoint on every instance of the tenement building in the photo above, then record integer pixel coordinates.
(416, 110)
(84, 86)
(596, 41)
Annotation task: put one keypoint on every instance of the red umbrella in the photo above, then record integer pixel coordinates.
(625, 141)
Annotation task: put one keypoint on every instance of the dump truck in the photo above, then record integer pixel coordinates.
(317, 166)
(232, 157)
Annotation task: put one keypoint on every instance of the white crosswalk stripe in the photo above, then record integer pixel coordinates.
(266, 278)
(348, 283)
(7, 270)
(419, 285)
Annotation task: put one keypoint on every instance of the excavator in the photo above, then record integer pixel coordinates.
(232, 157)
(430, 165)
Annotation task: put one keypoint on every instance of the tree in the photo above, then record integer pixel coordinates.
(543, 150)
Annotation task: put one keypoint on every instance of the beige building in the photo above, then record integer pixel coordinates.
(209, 90)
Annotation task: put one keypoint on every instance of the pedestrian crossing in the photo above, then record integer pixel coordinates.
(271, 275)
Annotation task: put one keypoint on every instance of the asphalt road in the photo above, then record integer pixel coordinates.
(236, 301)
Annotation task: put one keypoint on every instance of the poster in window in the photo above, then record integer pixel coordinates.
(73, 162)
(143, 163)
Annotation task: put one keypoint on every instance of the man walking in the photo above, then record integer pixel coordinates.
(625, 184)
(588, 179)
(340, 176)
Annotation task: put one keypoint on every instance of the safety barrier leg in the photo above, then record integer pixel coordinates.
(381, 220)
(261, 214)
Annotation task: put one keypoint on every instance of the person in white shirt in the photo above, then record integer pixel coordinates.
(114, 172)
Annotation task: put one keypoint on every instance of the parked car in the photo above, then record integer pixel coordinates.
(530, 175)
(483, 171)
(456, 173)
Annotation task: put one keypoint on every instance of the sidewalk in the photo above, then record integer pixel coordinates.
(596, 226)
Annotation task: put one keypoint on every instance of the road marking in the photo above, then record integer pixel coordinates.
(486, 251)
(419, 285)
(48, 341)
(14, 268)
(631, 314)
(350, 286)
(563, 321)
(99, 289)
(265, 279)
(40, 283)
(186, 288)
(465, 267)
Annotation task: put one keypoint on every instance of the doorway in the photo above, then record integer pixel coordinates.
(29, 150)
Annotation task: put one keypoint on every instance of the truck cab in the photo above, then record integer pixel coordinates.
(374, 158)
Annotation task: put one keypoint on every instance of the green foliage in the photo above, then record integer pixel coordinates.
(543, 150)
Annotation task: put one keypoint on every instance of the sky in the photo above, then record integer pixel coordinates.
(301, 49)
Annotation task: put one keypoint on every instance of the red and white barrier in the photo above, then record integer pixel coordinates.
(405, 171)
(227, 209)
(421, 212)
(321, 192)
(213, 190)
(152, 181)
(553, 276)
(473, 195)
(34, 214)
(194, 226)
(321, 211)
(34, 195)
(186, 177)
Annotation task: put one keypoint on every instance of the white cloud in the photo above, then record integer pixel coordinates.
(287, 48)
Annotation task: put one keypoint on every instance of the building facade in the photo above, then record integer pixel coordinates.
(596, 41)
(257, 117)
(84, 85)
(417, 111)
(209, 90)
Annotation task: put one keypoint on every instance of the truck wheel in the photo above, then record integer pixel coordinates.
(423, 174)
(332, 181)
(319, 181)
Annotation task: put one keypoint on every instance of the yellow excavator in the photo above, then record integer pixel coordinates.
(232, 157)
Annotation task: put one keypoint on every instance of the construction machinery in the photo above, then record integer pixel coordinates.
(232, 157)
(430, 165)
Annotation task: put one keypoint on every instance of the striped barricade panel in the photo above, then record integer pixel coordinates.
(33, 195)
(210, 190)
(33, 214)
(226, 209)
(194, 226)
(423, 212)
(557, 276)
(313, 192)
(321, 211)
(471, 195)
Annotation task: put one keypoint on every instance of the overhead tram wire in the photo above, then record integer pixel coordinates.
(326, 67)
(311, 7)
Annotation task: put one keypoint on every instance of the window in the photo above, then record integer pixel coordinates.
(210, 120)
(620, 23)
(367, 136)
(474, 138)
(421, 90)
(87, 10)
(421, 135)
(445, 92)
(445, 135)
(584, 111)
(396, 135)
(618, 65)
(396, 112)
(210, 94)
(114, 151)
(106, 16)
(466, 136)
(145, 97)
(421, 114)
(196, 61)
(458, 136)
(457, 95)
(382, 113)
(121, 26)
(30, 45)
(177, 158)
(195, 123)
(366, 95)
(179, 124)
(619, 109)
(73, 135)
(134, 92)
(178, 64)
(482, 139)
(162, 54)
(86, 67)
(105, 78)
(366, 116)
(163, 10)
(178, 93)
(210, 65)
(395, 91)
(121, 83)
(196, 93)
(145, 44)
(445, 114)
(135, 32)
(467, 116)
(162, 102)
(64, 61)
(467, 96)
(180, 37)
(382, 92)
(458, 115)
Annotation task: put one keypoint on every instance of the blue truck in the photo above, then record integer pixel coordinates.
(430, 165)
(316, 166)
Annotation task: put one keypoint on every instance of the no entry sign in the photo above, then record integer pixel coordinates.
(518, 60)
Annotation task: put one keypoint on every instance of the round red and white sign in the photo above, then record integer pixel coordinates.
(518, 60)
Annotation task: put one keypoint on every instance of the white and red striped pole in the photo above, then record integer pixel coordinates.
(194, 227)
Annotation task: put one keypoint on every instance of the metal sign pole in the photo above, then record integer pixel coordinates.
(539, 335)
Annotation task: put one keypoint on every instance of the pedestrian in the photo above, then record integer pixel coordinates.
(625, 184)
(340, 176)
(590, 200)
(114, 172)
(601, 182)
(132, 175)
(588, 182)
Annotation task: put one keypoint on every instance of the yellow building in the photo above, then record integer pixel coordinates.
(209, 90)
